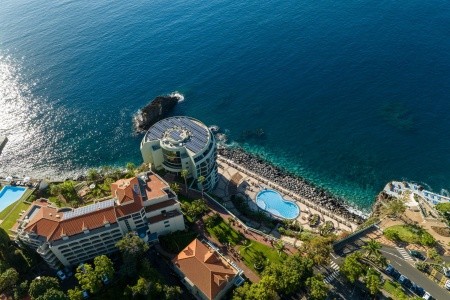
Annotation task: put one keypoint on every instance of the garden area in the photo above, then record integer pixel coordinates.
(410, 234)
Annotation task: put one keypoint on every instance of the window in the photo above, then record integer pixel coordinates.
(168, 225)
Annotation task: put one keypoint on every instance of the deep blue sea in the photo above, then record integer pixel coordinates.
(350, 94)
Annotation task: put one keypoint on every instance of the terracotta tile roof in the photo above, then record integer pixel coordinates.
(49, 223)
(123, 190)
(204, 268)
(154, 187)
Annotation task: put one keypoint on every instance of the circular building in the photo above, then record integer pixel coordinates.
(182, 143)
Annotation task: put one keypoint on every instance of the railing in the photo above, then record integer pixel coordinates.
(288, 192)
(336, 244)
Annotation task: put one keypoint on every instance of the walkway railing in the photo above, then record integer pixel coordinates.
(288, 192)
(337, 244)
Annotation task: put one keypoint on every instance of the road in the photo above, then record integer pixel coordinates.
(414, 275)
(398, 262)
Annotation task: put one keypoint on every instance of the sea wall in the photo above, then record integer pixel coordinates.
(291, 182)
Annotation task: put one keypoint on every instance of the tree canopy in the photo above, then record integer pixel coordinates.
(132, 248)
(352, 268)
(40, 285)
(317, 289)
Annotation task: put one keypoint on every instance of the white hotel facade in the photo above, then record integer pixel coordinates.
(182, 143)
(67, 236)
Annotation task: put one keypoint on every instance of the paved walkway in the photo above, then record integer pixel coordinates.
(247, 184)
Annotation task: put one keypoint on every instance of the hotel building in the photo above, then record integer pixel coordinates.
(69, 236)
(182, 143)
(205, 271)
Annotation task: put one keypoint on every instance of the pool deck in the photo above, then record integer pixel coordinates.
(249, 184)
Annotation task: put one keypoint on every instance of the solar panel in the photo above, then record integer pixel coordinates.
(88, 209)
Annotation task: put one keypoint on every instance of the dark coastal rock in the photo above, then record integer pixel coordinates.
(156, 110)
(291, 182)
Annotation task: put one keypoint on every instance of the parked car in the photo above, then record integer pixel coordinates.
(61, 275)
(395, 274)
(417, 289)
(389, 269)
(404, 281)
(85, 294)
(447, 284)
(416, 254)
(427, 296)
(446, 271)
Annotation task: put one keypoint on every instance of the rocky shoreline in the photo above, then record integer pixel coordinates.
(291, 182)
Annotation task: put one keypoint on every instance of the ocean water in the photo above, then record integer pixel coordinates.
(349, 94)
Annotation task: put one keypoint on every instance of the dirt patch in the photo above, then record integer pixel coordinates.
(442, 231)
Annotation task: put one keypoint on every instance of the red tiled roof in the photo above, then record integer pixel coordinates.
(204, 268)
(49, 223)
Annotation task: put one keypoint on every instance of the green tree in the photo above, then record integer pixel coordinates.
(93, 175)
(280, 247)
(263, 290)
(142, 287)
(132, 249)
(318, 249)
(373, 281)
(201, 179)
(372, 249)
(184, 173)
(352, 267)
(131, 168)
(175, 187)
(317, 289)
(21, 290)
(8, 280)
(55, 189)
(40, 285)
(171, 292)
(104, 266)
(395, 208)
(75, 294)
(53, 294)
(88, 278)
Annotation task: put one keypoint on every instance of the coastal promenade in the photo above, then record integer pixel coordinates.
(249, 184)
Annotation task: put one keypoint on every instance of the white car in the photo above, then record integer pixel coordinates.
(427, 296)
(447, 284)
(61, 275)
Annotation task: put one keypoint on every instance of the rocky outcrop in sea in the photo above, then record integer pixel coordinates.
(291, 182)
(156, 110)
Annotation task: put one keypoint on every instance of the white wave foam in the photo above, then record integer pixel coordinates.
(177, 95)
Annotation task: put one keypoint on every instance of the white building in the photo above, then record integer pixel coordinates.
(67, 236)
(179, 143)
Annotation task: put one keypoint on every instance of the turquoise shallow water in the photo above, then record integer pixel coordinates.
(350, 94)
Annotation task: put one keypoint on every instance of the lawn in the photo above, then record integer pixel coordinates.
(177, 241)
(410, 234)
(224, 233)
(256, 250)
(11, 213)
(396, 291)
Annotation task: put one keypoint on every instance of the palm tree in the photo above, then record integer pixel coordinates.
(280, 247)
(175, 187)
(200, 180)
(372, 248)
(246, 245)
(184, 173)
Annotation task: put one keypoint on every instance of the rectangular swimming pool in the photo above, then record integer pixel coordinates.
(10, 194)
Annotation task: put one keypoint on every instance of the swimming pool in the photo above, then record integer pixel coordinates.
(272, 202)
(10, 194)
